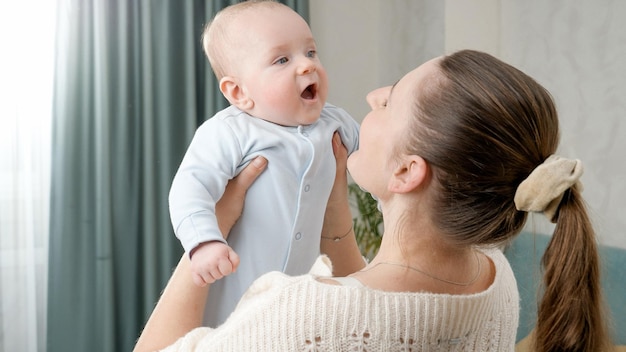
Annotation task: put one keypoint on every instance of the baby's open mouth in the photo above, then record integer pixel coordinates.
(309, 92)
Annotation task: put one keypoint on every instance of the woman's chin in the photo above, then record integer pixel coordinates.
(350, 162)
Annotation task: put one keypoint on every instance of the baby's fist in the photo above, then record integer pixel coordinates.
(211, 261)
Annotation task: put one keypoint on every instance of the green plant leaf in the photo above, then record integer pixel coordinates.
(368, 223)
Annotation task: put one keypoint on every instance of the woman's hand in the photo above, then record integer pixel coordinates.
(228, 209)
(339, 193)
(338, 241)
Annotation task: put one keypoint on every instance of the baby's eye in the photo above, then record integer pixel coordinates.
(311, 53)
(282, 60)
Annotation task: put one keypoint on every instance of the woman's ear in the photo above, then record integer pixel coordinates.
(408, 175)
(235, 94)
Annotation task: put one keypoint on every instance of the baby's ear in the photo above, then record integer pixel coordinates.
(235, 94)
(408, 175)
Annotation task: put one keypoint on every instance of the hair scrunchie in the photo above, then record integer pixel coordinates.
(543, 189)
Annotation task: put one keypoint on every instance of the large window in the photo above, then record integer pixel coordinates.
(26, 69)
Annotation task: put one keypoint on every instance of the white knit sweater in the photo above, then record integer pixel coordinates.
(282, 313)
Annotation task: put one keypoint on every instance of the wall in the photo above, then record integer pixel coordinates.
(575, 48)
(366, 44)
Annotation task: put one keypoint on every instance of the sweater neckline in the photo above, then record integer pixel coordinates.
(492, 254)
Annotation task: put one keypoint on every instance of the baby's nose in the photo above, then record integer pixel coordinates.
(307, 66)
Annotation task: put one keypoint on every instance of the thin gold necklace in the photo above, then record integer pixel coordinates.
(431, 275)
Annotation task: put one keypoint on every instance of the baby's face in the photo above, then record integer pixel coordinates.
(279, 68)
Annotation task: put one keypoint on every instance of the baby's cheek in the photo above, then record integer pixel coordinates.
(279, 99)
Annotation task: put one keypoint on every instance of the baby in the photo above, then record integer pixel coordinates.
(264, 56)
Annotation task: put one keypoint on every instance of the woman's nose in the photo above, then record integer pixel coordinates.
(378, 97)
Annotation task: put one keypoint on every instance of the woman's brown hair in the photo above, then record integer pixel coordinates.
(484, 126)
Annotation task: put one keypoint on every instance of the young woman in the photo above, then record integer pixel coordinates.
(457, 152)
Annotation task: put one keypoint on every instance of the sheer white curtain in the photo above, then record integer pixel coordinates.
(26, 69)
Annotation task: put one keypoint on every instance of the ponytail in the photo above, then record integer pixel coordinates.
(571, 312)
(482, 101)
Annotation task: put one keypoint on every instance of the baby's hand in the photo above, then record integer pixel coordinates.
(211, 261)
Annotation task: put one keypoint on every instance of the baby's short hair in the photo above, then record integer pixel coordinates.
(217, 34)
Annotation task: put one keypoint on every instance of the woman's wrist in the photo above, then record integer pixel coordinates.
(337, 238)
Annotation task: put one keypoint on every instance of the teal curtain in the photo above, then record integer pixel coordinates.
(131, 87)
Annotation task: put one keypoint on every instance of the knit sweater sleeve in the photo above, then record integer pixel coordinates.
(254, 300)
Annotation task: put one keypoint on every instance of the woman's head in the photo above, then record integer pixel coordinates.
(473, 128)
(481, 126)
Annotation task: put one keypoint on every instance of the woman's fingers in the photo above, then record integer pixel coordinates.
(228, 209)
(340, 151)
(248, 175)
